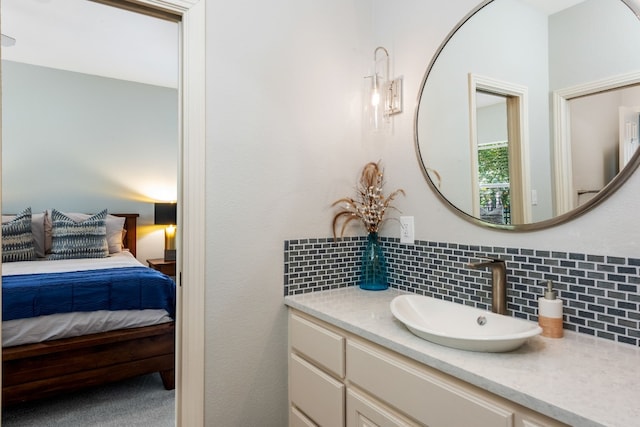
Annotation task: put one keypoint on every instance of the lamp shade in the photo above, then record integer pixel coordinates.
(165, 213)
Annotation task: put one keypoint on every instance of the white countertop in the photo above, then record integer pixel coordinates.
(579, 380)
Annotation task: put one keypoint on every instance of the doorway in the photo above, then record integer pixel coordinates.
(575, 186)
(190, 332)
(503, 161)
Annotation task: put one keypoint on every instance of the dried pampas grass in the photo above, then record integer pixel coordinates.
(370, 204)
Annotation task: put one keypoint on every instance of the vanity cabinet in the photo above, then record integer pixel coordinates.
(316, 374)
(339, 379)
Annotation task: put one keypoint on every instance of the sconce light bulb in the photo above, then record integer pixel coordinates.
(375, 98)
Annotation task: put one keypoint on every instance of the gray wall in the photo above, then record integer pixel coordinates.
(580, 56)
(82, 143)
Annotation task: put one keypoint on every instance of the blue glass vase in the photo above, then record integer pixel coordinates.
(374, 266)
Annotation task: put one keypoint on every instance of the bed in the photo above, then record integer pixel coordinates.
(88, 340)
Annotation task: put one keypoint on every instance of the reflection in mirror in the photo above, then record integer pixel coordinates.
(492, 163)
(555, 58)
(606, 124)
(516, 124)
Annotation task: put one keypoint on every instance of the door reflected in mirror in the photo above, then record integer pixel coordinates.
(606, 124)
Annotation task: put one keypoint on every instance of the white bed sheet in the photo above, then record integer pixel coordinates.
(119, 259)
(67, 325)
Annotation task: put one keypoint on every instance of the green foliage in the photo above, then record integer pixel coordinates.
(493, 168)
(493, 165)
(488, 195)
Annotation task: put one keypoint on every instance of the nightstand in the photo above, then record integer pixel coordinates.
(166, 267)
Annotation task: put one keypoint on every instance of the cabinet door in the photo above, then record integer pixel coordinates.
(365, 412)
(316, 394)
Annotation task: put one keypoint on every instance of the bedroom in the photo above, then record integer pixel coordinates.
(115, 127)
(102, 140)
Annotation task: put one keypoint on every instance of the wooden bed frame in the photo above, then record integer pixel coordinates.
(35, 371)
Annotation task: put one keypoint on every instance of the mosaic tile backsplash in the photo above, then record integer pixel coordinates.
(600, 293)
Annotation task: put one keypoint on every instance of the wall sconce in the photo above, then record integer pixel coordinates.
(385, 96)
(166, 214)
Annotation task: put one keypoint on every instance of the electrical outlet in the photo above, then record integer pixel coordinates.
(406, 229)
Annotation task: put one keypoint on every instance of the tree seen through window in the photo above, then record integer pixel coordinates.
(493, 177)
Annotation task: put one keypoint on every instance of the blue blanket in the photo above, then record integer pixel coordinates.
(130, 288)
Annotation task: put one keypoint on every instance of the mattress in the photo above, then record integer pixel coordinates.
(72, 324)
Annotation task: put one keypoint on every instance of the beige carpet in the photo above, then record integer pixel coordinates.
(141, 401)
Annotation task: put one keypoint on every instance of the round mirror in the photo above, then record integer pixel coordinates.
(528, 114)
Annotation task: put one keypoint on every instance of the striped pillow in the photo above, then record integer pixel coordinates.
(17, 238)
(84, 239)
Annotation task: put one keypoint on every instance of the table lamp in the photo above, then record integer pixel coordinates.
(166, 214)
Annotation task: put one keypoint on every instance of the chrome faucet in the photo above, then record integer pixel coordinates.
(498, 282)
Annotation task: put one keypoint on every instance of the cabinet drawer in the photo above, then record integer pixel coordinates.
(298, 419)
(411, 389)
(318, 344)
(319, 396)
(365, 412)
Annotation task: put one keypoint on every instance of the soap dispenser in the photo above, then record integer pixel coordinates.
(550, 313)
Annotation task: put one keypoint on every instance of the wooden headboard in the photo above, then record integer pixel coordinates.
(131, 237)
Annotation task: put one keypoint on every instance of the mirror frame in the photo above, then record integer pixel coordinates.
(602, 195)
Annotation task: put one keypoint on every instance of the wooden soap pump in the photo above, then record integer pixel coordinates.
(550, 313)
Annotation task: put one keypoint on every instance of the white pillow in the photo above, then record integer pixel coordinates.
(115, 233)
(115, 228)
(38, 221)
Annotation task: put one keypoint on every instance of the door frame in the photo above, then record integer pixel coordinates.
(565, 196)
(191, 211)
(519, 158)
(191, 201)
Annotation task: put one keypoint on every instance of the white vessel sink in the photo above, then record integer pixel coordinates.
(460, 326)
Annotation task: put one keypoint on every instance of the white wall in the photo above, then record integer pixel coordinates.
(492, 123)
(284, 141)
(82, 143)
